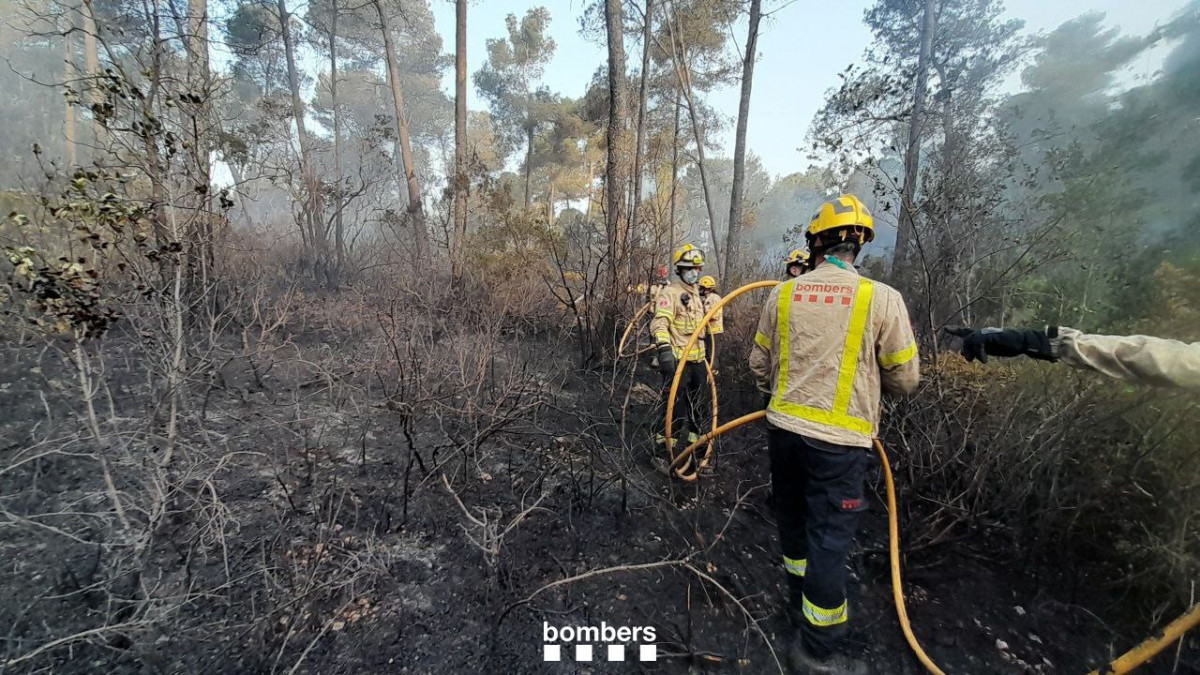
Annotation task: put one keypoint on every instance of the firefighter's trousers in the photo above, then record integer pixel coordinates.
(818, 494)
(690, 409)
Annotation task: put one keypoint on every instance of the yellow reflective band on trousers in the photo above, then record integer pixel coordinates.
(762, 340)
(797, 567)
(898, 358)
(839, 415)
(819, 616)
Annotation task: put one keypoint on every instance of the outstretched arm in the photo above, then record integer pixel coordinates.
(1133, 358)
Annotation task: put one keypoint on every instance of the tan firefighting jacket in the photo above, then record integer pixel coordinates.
(1135, 358)
(826, 344)
(717, 325)
(677, 313)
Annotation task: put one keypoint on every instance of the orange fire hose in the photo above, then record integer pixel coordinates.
(893, 529)
(674, 391)
(1152, 645)
(894, 554)
(677, 468)
(1125, 664)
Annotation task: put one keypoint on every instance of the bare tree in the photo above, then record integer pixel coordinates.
(92, 62)
(69, 76)
(912, 153)
(737, 195)
(647, 36)
(415, 210)
(460, 137)
(339, 222)
(617, 170)
(684, 76)
(312, 219)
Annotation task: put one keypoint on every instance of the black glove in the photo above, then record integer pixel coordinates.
(766, 400)
(979, 344)
(666, 359)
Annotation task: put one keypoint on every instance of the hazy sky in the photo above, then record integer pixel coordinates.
(802, 47)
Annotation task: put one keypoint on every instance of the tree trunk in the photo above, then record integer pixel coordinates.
(240, 184)
(311, 185)
(647, 36)
(733, 239)
(550, 206)
(69, 77)
(415, 208)
(674, 170)
(617, 170)
(528, 163)
(92, 56)
(154, 168)
(201, 231)
(683, 75)
(461, 183)
(587, 214)
(339, 229)
(912, 154)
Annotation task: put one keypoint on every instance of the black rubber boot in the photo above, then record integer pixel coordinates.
(795, 609)
(834, 664)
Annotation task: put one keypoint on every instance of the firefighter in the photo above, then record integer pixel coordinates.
(796, 263)
(708, 293)
(1133, 358)
(827, 343)
(677, 314)
(660, 282)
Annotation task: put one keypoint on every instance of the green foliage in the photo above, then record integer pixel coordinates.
(65, 294)
(509, 79)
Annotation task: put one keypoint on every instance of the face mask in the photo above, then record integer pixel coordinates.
(690, 277)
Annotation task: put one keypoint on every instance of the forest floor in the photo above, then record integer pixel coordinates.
(349, 542)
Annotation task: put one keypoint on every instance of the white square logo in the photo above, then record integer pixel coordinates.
(551, 652)
(583, 652)
(616, 652)
(647, 652)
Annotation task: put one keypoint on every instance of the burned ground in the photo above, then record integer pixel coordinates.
(363, 510)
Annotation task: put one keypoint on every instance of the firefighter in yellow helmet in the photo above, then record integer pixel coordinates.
(708, 293)
(678, 310)
(827, 344)
(796, 263)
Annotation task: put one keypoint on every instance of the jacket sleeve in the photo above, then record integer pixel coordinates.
(764, 343)
(664, 312)
(896, 349)
(1134, 358)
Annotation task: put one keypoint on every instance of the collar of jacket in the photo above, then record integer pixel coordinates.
(840, 264)
(692, 290)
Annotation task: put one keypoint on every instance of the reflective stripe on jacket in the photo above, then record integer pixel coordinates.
(827, 342)
(1134, 358)
(677, 313)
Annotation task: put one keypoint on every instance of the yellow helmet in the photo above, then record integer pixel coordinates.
(846, 211)
(800, 255)
(688, 256)
(707, 281)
